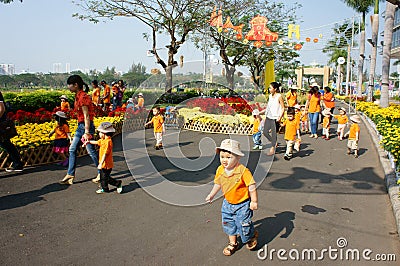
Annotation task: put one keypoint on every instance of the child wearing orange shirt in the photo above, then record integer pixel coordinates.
(240, 197)
(354, 135)
(304, 118)
(64, 106)
(326, 123)
(292, 129)
(342, 122)
(106, 163)
(62, 136)
(257, 129)
(158, 124)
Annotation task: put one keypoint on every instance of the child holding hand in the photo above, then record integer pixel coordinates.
(62, 136)
(106, 163)
(240, 196)
(257, 129)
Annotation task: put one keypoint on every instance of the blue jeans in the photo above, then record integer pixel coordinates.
(236, 219)
(74, 146)
(313, 118)
(257, 138)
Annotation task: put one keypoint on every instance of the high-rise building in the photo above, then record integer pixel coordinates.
(56, 67)
(395, 50)
(7, 69)
(67, 68)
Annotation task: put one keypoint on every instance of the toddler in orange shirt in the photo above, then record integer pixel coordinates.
(158, 124)
(240, 196)
(257, 129)
(62, 136)
(342, 122)
(303, 119)
(354, 135)
(326, 123)
(106, 163)
(292, 129)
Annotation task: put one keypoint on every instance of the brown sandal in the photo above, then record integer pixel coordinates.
(230, 249)
(252, 243)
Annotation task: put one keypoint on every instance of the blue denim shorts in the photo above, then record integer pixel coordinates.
(236, 219)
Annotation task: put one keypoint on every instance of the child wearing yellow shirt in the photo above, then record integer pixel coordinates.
(354, 135)
(257, 129)
(158, 124)
(240, 196)
(326, 123)
(292, 129)
(342, 122)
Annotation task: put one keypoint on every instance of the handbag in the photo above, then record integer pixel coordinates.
(7, 129)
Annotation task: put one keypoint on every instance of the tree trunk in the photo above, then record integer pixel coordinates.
(362, 56)
(168, 79)
(230, 78)
(387, 44)
(375, 28)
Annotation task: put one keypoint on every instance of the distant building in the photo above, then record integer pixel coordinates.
(56, 67)
(395, 51)
(7, 69)
(67, 68)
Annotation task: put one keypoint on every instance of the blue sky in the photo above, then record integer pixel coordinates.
(36, 34)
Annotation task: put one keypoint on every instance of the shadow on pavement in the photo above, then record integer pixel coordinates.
(26, 198)
(270, 227)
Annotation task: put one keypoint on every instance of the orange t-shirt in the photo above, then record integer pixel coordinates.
(291, 98)
(106, 147)
(235, 187)
(291, 127)
(342, 119)
(82, 99)
(326, 123)
(65, 106)
(140, 102)
(96, 95)
(354, 129)
(107, 90)
(297, 117)
(60, 132)
(158, 121)
(314, 104)
(328, 100)
(256, 124)
(304, 117)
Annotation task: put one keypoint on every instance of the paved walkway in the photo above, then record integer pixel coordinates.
(310, 202)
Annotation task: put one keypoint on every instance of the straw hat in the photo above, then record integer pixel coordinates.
(255, 112)
(106, 127)
(326, 112)
(230, 145)
(64, 97)
(355, 119)
(315, 84)
(297, 106)
(343, 109)
(140, 94)
(60, 114)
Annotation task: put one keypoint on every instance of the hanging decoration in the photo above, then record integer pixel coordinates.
(292, 28)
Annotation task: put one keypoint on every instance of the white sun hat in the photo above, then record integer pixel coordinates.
(255, 112)
(106, 127)
(230, 145)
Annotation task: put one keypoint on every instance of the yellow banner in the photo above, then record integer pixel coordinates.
(269, 74)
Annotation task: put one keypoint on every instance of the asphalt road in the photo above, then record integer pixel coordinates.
(309, 202)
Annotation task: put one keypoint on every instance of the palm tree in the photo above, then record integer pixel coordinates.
(361, 6)
(387, 41)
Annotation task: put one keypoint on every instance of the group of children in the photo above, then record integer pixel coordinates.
(297, 121)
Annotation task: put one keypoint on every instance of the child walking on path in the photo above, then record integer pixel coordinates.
(292, 129)
(354, 135)
(106, 162)
(257, 129)
(342, 122)
(303, 119)
(62, 136)
(240, 196)
(326, 123)
(158, 124)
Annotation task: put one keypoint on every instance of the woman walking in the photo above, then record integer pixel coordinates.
(274, 113)
(313, 107)
(83, 107)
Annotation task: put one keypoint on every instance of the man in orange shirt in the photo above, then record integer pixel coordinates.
(96, 92)
(158, 124)
(354, 135)
(106, 95)
(292, 129)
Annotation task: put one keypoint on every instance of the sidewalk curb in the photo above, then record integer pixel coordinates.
(390, 175)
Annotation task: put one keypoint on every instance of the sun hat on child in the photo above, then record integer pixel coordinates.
(255, 112)
(355, 119)
(293, 87)
(326, 112)
(64, 97)
(230, 145)
(140, 94)
(297, 106)
(341, 108)
(60, 114)
(106, 127)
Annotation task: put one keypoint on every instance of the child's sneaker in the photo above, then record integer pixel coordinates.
(323, 137)
(119, 187)
(157, 147)
(101, 191)
(255, 147)
(326, 138)
(252, 243)
(14, 169)
(97, 179)
(355, 155)
(286, 157)
(260, 147)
